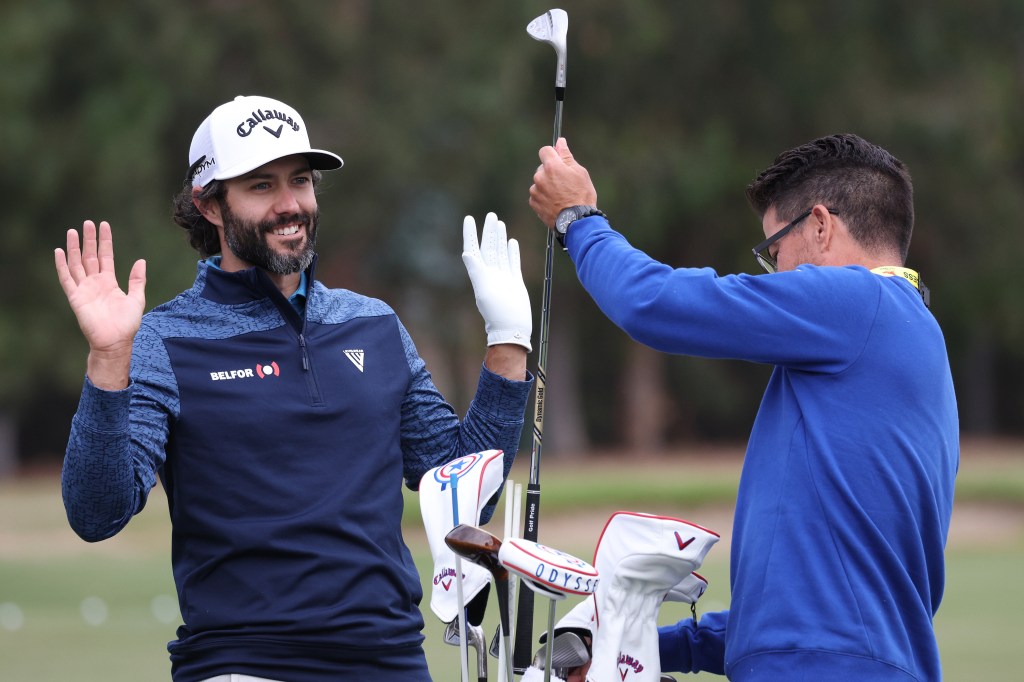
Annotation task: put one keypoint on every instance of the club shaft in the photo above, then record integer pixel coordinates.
(551, 640)
(502, 588)
(463, 626)
(524, 611)
(559, 99)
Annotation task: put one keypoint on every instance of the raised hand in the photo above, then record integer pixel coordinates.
(108, 317)
(560, 182)
(497, 277)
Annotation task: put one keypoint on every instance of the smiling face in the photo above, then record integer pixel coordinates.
(268, 218)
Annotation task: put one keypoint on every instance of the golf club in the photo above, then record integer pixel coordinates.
(480, 547)
(567, 651)
(477, 640)
(551, 28)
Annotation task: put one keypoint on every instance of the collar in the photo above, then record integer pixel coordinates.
(911, 276)
(242, 286)
(297, 299)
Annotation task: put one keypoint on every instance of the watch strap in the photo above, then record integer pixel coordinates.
(579, 212)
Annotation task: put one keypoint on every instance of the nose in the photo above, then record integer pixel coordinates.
(286, 202)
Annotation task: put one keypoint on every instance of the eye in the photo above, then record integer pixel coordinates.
(260, 186)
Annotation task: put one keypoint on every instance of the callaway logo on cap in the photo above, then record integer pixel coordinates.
(246, 133)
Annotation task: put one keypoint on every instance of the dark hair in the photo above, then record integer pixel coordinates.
(202, 234)
(869, 187)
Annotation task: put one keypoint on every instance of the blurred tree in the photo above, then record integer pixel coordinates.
(438, 110)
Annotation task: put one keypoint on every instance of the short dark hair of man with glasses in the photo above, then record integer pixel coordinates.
(860, 180)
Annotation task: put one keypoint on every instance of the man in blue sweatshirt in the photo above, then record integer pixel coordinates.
(846, 492)
(280, 415)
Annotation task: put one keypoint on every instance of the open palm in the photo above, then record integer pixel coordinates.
(108, 317)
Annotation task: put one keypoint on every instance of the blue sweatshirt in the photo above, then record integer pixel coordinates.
(281, 441)
(846, 492)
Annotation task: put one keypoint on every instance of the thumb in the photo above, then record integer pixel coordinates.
(474, 264)
(560, 152)
(137, 282)
(562, 147)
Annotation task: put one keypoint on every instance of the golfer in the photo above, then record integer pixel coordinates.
(279, 414)
(846, 491)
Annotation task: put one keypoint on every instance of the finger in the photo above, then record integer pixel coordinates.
(67, 282)
(496, 252)
(514, 264)
(501, 244)
(105, 251)
(469, 241)
(75, 256)
(548, 154)
(89, 262)
(489, 240)
(137, 282)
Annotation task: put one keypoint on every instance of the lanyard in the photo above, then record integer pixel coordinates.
(911, 276)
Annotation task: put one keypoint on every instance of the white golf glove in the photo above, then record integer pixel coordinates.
(494, 270)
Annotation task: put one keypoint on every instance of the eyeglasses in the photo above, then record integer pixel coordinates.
(762, 252)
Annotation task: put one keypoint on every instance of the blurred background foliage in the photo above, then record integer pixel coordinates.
(439, 108)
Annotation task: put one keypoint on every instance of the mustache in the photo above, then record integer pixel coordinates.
(303, 219)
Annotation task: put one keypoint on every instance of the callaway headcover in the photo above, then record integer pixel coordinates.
(640, 558)
(449, 495)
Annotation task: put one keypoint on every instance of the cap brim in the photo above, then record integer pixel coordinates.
(321, 160)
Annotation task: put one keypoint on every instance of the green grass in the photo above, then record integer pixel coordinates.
(46, 572)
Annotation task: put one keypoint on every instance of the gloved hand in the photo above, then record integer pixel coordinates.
(494, 270)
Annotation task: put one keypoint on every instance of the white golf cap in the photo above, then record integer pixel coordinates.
(246, 133)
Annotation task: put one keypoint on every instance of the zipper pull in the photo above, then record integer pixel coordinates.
(305, 356)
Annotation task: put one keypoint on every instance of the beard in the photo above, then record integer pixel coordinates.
(247, 239)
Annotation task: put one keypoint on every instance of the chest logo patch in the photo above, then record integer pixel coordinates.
(356, 356)
(263, 370)
(271, 370)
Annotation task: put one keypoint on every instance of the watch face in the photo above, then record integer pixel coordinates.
(564, 219)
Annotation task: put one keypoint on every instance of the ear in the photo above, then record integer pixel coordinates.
(825, 228)
(208, 208)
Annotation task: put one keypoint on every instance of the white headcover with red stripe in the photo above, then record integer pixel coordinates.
(475, 478)
(548, 570)
(640, 558)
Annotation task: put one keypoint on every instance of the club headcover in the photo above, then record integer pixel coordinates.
(689, 589)
(640, 558)
(474, 478)
(549, 571)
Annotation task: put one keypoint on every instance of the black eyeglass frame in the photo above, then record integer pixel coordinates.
(761, 253)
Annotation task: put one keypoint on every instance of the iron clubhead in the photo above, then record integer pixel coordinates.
(551, 28)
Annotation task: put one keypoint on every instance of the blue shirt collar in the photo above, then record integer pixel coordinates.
(298, 299)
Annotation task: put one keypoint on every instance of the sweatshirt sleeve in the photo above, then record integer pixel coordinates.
(116, 445)
(693, 647)
(801, 319)
(432, 433)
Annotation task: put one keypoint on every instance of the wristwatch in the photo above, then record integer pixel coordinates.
(568, 216)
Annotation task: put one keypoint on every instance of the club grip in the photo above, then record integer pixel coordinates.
(523, 650)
